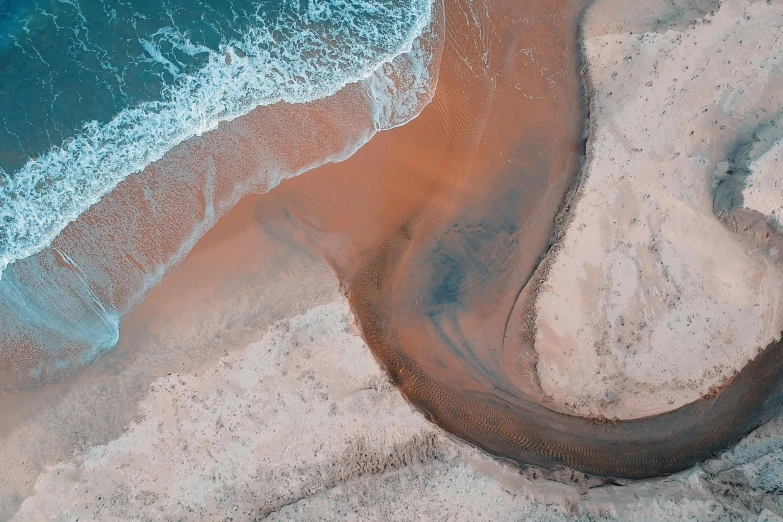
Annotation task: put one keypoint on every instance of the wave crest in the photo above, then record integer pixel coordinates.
(306, 55)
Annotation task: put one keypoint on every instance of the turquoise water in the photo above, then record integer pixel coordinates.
(143, 78)
(95, 90)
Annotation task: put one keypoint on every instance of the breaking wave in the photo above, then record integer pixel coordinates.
(305, 52)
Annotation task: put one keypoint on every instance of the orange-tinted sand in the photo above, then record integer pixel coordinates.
(477, 179)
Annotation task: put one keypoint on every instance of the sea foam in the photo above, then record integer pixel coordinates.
(305, 56)
(62, 307)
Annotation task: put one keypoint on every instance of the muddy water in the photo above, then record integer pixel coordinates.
(436, 232)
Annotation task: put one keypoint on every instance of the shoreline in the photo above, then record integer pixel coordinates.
(239, 59)
(147, 225)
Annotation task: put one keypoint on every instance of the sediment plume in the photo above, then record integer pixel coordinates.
(435, 272)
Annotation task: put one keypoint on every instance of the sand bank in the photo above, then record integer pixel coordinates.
(651, 300)
(303, 425)
(434, 296)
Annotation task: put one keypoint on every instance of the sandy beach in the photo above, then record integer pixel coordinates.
(648, 307)
(241, 387)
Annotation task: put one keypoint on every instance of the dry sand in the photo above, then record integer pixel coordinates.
(651, 300)
(303, 425)
(764, 191)
(271, 432)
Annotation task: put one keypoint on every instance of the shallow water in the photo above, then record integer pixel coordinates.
(63, 306)
(97, 90)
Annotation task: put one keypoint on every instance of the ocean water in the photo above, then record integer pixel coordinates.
(139, 189)
(95, 90)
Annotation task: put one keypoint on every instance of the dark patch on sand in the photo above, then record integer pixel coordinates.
(730, 177)
(471, 253)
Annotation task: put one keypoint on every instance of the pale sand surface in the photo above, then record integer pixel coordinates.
(303, 425)
(764, 191)
(302, 414)
(651, 300)
(644, 16)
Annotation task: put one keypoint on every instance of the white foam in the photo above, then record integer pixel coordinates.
(297, 60)
(62, 308)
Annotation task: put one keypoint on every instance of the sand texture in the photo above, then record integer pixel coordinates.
(652, 300)
(440, 292)
(303, 425)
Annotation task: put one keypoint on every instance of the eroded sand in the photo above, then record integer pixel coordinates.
(651, 300)
(434, 280)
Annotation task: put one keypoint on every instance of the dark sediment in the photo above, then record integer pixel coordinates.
(529, 433)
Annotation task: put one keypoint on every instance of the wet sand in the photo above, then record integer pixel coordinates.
(62, 307)
(434, 293)
(474, 183)
(219, 300)
(244, 274)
